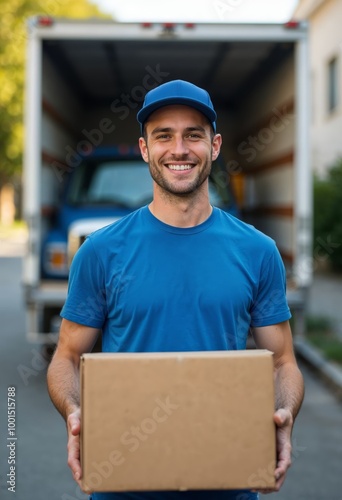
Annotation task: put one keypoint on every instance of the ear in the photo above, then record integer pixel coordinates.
(143, 149)
(216, 146)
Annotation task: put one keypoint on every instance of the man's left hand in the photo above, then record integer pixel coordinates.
(284, 422)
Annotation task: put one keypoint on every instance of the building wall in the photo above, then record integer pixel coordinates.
(325, 19)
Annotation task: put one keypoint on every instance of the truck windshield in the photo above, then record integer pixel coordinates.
(125, 183)
(129, 184)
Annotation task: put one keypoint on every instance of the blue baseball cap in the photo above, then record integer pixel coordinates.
(177, 92)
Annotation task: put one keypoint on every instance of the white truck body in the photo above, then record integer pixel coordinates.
(86, 81)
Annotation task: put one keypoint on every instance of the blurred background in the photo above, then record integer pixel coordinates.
(68, 164)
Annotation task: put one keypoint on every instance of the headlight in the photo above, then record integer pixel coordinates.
(55, 261)
(74, 242)
(79, 230)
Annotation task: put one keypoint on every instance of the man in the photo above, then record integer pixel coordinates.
(177, 275)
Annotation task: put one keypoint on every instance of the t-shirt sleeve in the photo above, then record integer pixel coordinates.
(86, 299)
(270, 305)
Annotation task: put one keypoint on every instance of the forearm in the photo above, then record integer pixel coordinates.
(289, 388)
(63, 384)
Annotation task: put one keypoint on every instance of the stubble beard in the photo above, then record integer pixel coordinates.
(177, 189)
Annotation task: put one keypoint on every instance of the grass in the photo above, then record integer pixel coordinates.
(319, 332)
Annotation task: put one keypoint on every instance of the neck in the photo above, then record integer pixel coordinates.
(181, 212)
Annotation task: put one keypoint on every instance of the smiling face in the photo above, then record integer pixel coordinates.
(179, 148)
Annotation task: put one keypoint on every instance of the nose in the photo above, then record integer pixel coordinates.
(179, 146)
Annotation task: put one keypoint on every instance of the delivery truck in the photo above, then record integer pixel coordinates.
(85, 82)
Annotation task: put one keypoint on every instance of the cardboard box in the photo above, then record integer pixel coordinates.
(177, 421)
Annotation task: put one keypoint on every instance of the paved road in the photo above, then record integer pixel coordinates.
(41, 470)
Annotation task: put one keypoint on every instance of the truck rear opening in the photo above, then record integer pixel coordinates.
(87, 80)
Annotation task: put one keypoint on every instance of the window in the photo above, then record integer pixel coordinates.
(109, 182)
(332, 84)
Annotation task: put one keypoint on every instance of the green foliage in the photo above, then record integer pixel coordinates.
(331, 347)
(318, 324)
(13, 17)
(320, 333)
(328, 216)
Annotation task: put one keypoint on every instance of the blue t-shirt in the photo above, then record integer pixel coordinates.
(153, 287)
(179, 495)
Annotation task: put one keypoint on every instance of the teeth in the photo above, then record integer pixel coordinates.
(179, 167)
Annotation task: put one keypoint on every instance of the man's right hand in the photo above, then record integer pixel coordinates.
(74, 430)
(63, 384)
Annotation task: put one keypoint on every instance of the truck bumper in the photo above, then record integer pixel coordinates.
(43, 304)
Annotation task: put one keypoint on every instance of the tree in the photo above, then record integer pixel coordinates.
(13, 17)
(328, 215)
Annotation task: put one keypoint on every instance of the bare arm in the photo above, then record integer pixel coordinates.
(63, 372)
(63, 383)
(289, 389)
(288, 379)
